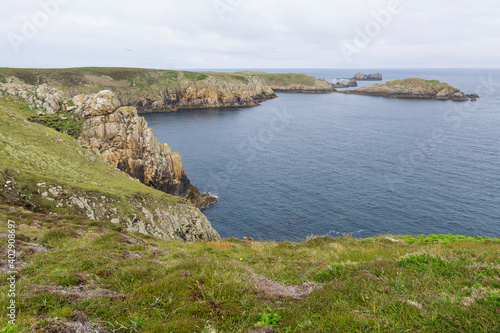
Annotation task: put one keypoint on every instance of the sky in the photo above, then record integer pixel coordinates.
(203, 34)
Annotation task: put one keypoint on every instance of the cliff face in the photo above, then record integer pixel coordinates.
(414, 88)
(368, 77)
(125, 141)
(207, 93)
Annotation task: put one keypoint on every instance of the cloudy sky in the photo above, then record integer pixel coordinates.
(187, 34)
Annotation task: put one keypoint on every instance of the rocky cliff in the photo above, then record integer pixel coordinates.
(368, 77)
(49, 172)
(126, 142)
(206, 93)
(414, 88)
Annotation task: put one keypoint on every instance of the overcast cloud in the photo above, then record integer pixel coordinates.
(185, 34)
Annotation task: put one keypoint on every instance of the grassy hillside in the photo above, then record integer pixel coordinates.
(88, 273)
(93, 79)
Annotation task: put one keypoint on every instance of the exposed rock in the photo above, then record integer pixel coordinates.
(200, 200)
(158, 217)
(344, 83)
(125, 141)
(100, 104)
(215, 92)
(368, 77)
(42, 98)
(414, 88)
(207, 93)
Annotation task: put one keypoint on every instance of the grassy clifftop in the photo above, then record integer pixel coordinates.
(80, 273)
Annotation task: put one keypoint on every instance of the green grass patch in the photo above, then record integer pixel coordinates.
(445, 239)
(65, 122)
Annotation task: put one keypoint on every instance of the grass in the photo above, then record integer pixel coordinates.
(65, 122)
(164, 286)
(415, 83)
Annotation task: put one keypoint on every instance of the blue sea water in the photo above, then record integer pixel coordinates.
(328, 164)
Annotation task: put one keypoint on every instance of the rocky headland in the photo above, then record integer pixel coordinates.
(152, 90)
(414, 88)
(49, 172)
(368, 77)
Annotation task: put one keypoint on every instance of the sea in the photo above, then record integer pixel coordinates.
(347, 165)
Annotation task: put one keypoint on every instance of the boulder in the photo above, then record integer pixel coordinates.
(100, 104)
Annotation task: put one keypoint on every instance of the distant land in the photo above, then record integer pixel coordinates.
(414, 88)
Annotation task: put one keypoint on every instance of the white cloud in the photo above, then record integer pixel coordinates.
(252, 33)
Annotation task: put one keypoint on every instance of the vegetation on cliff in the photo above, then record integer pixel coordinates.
(80, 274)
(414, 88)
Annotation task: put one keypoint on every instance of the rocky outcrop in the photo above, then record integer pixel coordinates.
(41, 98)
(146, 215)
(200, 200)
(125, 141)
(344, 83)
(414, 88)
(368, 77)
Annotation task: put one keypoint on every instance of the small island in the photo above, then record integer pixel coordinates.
(414, 88)
(368, 77)
(345, 83)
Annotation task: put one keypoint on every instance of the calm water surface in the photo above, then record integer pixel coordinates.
(327, 164)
